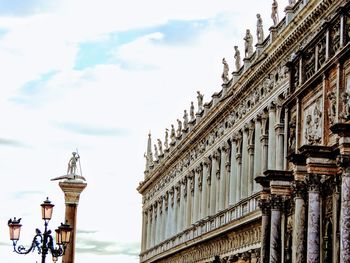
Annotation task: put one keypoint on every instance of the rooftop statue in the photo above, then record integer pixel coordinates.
(160, 147)
(156, 155)
(166, 141)
(224, 74)
(274, 13)
(259, 29)
(200, 101)
(248, 44)
(237, 58)
(72, 169)
(172, 134)
(291, 2)
(179, 128)
(185, 120)
(192, 111)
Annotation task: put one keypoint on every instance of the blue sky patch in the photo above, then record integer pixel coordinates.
(91, 130)
(175, 32)
(23, 7)
(35, 86)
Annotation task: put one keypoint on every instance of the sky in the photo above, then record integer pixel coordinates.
(97, 76)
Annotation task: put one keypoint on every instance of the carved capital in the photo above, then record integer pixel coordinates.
(276, 202)
(313, 182)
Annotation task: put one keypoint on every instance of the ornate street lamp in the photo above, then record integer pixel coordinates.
(44, 242)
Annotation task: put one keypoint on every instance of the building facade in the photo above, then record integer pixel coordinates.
(261, 173)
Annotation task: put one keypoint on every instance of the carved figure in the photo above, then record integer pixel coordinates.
(172, 134)
(200, 101)
(345, 97)
(224, 74)
(332, 109)
(291, 2)
(237, 58)
(160, 147)
(192, 111)
(259, 29)
(156, 155)
(72, 164)
(179, 128)
(312, 125)
(166, 142)
(274, 13)
(185, 120)
(292, 133)
(248, 44)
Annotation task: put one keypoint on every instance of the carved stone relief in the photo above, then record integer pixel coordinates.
(312, 129)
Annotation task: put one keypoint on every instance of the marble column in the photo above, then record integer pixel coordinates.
(170, 222)
(265, 230)
(144, 228)
(239, 166)
(182, 212)
(345, 217)
(154, 225)
(279, 131)
(245, 164)
(250, 173)
(164, 217)
(205, 187)
(271, 163)
(298, 251)
(177, 212)
(218, 181)
(275, 232)
(159, 220)
(264, 144)
(195, 211)
(257, 152)
(223, 176)
(313, 226)
(72, 190)
(213, 182)
(149, 228)
(233, 173)
(190, 195)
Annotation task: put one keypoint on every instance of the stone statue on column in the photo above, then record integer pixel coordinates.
(185, 120)
(200, 101)
(192, 111)
(224, 74)
(274, 13)
(237, 57)
(179, 128)
(259, 29)
(248, 44)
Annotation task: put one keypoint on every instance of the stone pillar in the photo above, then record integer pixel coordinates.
(233, 173)
(177, 211)
(250, 159)
(279, 131)
(265, 230)
(275, 233)
(239, 166)
(343, 131)
(72, 190)
(223, 176)
(154, 222)
(164, 217)
(218, 180)
(257, 152)
(205, 187)
(213, 183)
(195, 211)
(182, 213)
(313, 226)
(245, 164)
(159, 221)
(190, 195)
(144, 227)
(149, 227)
(264, 144)
(298, 251)
(168, 222)
(271, 163)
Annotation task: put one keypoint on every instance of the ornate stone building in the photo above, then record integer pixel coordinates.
(261, 173)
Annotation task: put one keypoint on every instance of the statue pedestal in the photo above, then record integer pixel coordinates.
(273, 33)
(72, 190)
(289, 14)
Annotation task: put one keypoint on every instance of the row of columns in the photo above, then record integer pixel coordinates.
(222, 179)
(310, 169)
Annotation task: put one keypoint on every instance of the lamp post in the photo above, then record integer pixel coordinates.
(43, 242)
